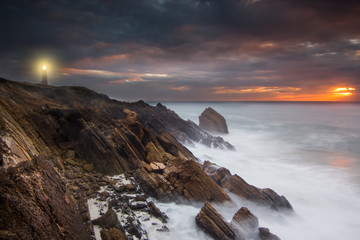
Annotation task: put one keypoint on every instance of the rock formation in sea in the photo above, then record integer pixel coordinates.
(212, 121)
(244, 225)
(66, 150)
(237, 185)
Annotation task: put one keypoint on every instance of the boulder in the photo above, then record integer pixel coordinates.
(210, 220)
(212, 121)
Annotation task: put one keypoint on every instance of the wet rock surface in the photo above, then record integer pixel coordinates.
(212, 121)
(237, 185)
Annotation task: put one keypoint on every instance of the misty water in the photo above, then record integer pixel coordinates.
(308, 152)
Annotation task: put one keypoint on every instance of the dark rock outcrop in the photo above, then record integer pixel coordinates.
(34, 204)
(237, 185)
(212, 121)
(160, 120)
(213, 223)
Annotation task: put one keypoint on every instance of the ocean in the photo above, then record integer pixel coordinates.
(307, 151)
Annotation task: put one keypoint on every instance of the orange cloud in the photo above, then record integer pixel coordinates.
(115, 57)
(276, 90)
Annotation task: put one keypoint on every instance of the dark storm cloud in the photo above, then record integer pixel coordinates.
(200, 44)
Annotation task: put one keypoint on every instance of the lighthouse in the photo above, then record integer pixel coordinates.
(44, 76)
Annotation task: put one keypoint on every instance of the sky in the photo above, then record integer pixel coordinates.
(187, 50)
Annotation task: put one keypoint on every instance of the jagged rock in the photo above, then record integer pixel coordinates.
(108, 220)
(245, 224)
(237, 185)
(36, 205)
(213, 223)
(265, 234)
(212, 121)
(182, 179)
(112, 234)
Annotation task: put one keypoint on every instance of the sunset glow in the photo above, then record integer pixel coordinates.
(343, 91)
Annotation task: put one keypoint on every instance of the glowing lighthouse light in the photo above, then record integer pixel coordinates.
(44, 76)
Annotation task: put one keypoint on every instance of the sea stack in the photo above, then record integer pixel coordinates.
(212, 121)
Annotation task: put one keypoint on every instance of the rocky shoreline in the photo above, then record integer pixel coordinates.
(64, 150)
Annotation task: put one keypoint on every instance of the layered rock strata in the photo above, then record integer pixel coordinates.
(237, 185)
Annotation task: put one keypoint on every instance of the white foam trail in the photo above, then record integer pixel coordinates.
(325, 206)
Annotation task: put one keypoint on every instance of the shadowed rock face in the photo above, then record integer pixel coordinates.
(34, 204)
(212, 121)
(237, 185)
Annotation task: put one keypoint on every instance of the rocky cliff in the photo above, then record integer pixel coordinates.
(59, 147)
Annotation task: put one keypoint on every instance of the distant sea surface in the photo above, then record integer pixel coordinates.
(307, 151)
